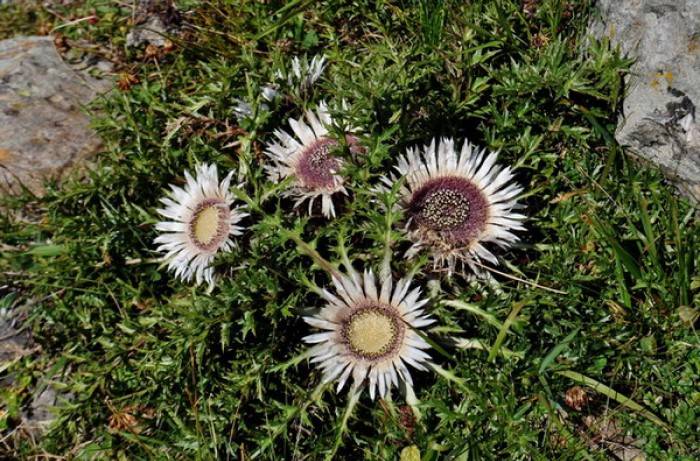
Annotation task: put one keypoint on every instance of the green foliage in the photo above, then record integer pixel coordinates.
(611, 254)
(24, 18)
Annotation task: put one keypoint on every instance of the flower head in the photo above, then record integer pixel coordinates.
(199, 224)
(308, 158)
(370, 332)
(456, 202)
(304, 73)
(242, 110)
(269, 92)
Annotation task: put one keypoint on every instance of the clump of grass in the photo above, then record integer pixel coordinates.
(24, 18)
(161, 370)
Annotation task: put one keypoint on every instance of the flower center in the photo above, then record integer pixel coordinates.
(317, 167)
(444, 209)
(450, 206)
(209, 225)
(372, 332)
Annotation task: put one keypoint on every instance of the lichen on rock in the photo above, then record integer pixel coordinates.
(44, 129)
(659, 121)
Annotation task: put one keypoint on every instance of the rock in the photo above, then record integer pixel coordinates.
(40, 414)
(43, 129)
(152, 32)
(605, 434)
(660, 116)
(16, 342)
(156, 20)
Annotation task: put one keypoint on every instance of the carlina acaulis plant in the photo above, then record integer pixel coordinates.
(308, 158)
(200, 222)
(370, 332)
(429, 239)
(456, 203)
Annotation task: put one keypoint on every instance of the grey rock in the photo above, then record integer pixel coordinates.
(46, 401)
(660, 116)
(16, 342)
(43, 127)
(152, 32)
(40, 414)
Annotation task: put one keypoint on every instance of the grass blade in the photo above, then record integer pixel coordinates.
(556, 350)
(504, 329)
(627, 260)
(474, 309)
(613, 394)
(649, 231)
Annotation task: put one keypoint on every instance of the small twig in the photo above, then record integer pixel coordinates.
(135, 261)
(478, 344)
(527, 282)
(13, 334)
(74, 22)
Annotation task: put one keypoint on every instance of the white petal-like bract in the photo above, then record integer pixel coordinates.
(307, 156)
(457, 202)
(199, 223)
(369, 333)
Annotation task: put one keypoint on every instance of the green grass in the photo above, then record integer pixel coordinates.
(222, 375)
(24, 18)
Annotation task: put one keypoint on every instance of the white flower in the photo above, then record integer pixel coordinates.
(307, 157)
(370, 333)
(308, 73)
(199, 224)
(456, 202)
(303, 73)
(242, 110)
(269, 92)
